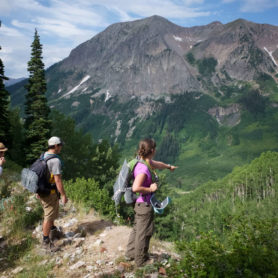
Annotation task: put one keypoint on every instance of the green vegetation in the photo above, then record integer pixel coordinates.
(190, 58)
(4, 104)
(15, 220)
(206, 66)
(229, 227)
(89, 194)
(267, 84)
(254, 102)
(81, 157)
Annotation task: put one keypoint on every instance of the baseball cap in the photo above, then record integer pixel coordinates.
(2, 147)
(54, 141)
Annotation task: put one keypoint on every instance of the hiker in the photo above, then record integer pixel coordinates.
(139, 239)
(3, 149)
(50, 202)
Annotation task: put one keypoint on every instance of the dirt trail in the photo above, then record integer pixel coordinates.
(94, 247)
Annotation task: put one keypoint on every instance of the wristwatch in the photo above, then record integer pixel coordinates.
(169, 166)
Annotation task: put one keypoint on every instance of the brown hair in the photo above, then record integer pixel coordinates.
(146, 147)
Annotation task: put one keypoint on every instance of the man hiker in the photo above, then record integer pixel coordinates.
(3, 149)
(50, 202)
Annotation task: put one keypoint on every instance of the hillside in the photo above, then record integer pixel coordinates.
(207, 94)
(226, 228)
(247, 194)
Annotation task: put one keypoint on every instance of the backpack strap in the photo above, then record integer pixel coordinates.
(50, 156)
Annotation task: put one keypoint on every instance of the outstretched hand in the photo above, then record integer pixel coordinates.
(172, 168)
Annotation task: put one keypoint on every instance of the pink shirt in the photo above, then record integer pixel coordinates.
(141, 168)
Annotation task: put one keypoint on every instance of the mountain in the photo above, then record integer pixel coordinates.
(207, 94)
(13, 81)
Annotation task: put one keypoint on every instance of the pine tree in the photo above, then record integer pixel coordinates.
(4, 107)
(37, 123)
(4, 111)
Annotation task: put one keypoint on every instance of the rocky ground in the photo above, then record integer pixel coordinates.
(94, 247)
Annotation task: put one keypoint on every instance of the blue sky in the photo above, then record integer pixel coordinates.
(64, 24)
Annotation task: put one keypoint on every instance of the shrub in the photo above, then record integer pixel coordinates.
(250, 249)
(207, 66)
(88, 193)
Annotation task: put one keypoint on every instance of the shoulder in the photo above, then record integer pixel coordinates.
(54, 160)
(141, 168)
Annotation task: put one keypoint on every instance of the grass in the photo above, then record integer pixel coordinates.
(35, 266)
(17, 225)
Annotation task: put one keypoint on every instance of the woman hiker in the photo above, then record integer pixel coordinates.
(139, 239)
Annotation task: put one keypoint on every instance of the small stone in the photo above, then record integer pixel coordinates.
(154, 275)
(79, 251)
(43, 262)
(120, 248)
(69, 234)
(89, 268)
(17, 270)
(59, 261)
(99, 262)
(66, 255)
(71, 222)
(77, 265)
(77, 235)
(98, 242)
(78, 242)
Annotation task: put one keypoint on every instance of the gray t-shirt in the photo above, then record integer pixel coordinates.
(54, 166)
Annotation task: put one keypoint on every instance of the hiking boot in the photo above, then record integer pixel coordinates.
(48, 245)
(56, 234)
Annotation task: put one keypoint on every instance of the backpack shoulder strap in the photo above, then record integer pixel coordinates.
(50, 156)
(132, 163)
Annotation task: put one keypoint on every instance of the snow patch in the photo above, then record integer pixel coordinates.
(107, 96)
(75, 104)
(270, 54)
(177, 38)
(76, 87)
(118, 128)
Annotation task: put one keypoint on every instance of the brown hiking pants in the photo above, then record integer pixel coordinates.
(139, 239)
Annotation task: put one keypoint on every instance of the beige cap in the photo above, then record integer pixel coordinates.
(54, 141)
(2, 147)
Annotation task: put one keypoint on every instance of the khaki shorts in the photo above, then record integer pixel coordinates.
(50, 206)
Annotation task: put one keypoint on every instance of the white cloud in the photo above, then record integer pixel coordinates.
(254, 5)
(64, 24)
(257, 5)
(228, 1)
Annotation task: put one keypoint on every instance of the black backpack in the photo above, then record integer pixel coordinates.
(36, 178)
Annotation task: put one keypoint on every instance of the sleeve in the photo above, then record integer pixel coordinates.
(55, 166)
(1, 169)
(141, 168)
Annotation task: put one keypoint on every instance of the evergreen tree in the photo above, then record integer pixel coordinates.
(4, 111)
(37, 123)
